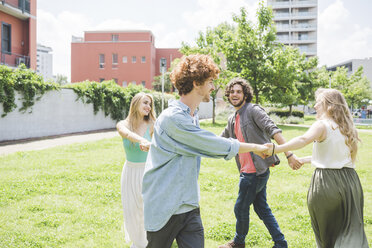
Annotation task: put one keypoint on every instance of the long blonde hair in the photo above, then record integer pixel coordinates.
(335, 106)
(134, 117)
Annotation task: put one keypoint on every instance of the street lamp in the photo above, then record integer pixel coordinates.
(162, 67)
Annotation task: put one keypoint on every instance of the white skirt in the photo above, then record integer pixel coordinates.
(131, 197)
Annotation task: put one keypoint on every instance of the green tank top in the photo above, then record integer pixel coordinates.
(132, 150)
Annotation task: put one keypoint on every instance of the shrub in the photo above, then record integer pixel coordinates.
(26, 82)
(276, 119)
(113, 99)
(285, 113)
(292, 120)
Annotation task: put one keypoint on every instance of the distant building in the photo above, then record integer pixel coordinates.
(124, 56)
(296, 23)
(353, 65)
(44, 61)
(18, 33)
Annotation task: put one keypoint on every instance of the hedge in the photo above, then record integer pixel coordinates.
(285, 113)
(113, 99)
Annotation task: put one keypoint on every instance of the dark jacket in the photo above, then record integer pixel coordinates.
(257, 127)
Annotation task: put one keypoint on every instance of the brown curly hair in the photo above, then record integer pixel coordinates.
(193, 68)
(247, 88)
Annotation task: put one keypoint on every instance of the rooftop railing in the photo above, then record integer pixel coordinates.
(13, 59)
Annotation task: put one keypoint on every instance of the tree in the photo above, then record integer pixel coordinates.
(61, 79)
(251, 46)
(292, 77)
(168, 86)
(156, 84)
(355, 87)
(211, 42)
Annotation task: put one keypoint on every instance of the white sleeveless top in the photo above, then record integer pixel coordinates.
(331, 153)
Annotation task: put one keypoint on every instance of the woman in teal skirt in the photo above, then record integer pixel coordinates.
(335, 198)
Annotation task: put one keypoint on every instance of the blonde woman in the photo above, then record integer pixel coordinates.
(136, 131)
(335, 197)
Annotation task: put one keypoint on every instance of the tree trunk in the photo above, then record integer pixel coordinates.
(214, 109)
(290, 110)
(256, 94)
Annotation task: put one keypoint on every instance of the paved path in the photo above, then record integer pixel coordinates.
(52, 142)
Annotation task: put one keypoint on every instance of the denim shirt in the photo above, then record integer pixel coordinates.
(172, 167)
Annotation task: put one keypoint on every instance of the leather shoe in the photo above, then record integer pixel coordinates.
(232, 244)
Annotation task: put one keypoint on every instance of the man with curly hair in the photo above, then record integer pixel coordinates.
(170, 188)
(250, 123)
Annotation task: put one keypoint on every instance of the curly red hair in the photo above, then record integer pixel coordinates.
(193, 68)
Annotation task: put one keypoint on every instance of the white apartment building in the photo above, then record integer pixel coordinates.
(44, 61)
(352, 66)
(296, 23)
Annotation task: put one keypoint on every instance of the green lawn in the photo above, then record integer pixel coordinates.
(69, 196)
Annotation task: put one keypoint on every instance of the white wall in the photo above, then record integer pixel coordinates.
(205, 110)
(57, 112)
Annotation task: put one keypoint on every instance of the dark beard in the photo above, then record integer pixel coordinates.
(239, 103)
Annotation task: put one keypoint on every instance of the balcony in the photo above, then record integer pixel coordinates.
(303, 40)
(13, 59)
(292, 4)
(282, 27)
(304, 4)
(304, 15)
(281, 16)
(17, 8)
(303, 27)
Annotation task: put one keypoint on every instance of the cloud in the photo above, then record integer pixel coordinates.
(213, 12)
(56, 32)
(340, 38)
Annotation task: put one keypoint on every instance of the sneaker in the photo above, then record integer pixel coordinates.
(232, 244)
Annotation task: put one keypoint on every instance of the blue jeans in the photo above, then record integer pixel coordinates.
(252, 189)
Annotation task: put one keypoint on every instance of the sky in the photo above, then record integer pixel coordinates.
(344, 26)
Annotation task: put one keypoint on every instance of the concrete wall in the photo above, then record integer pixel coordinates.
(205, 110)
(57, 112)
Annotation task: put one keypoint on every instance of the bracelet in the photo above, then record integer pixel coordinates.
(290, 155)
(273, 149)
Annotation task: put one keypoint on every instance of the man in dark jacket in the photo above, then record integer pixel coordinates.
(251, 124)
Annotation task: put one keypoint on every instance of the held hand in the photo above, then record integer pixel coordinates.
(294, 162)
(145, 145)
(269, 151)
(261, 150)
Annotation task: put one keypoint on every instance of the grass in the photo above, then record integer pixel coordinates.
(69, 196)
(310, 119)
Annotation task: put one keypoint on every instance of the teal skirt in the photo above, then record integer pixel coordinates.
(335, 201)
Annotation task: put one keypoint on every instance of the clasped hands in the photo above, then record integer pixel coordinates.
(144, 145)
(268, 149)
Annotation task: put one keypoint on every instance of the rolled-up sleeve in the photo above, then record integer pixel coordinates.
(191, 140)
(264, 122)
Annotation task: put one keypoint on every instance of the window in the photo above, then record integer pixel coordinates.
(101, 80)
(143, 59)
(115, 60)
(143, 83)
(101, 61)
(163, 64)
(6, 38)
(134, 82)
(134, 59)
(115, 37)
(125, 59)
(125, 84)
(116, 80)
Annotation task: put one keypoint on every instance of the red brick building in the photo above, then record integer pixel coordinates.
(18, 33)
(125, 56)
